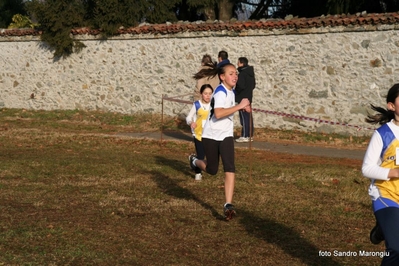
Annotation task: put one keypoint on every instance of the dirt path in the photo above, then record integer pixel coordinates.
(356, 154)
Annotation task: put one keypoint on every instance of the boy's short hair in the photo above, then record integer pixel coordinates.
(243, 60)
(223, 54)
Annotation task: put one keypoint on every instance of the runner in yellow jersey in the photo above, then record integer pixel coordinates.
(196, 119)
(381, 165)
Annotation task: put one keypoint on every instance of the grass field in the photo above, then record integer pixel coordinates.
(73, 192)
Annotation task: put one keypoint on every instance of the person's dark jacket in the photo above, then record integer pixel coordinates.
(245, 84)
(222, 63)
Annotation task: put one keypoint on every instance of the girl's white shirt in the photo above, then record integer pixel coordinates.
(371, 163)
(219, 129)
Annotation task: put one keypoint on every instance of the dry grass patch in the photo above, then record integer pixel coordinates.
(74, 195)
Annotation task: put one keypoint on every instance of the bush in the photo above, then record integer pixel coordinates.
(20, 21)
(8, 8)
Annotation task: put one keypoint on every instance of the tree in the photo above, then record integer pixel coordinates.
(193, 10)
(371, 6)
(306, 8)
(262, 8)
(110, 15)
(314, 8)
(353, 6)
(225, 9)
(9, 8)
(391, 5)
(154, 11)
(57, 18)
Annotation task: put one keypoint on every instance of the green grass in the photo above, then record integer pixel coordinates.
(74, 193)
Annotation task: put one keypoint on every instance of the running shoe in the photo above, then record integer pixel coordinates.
(229, 211)
(191, 158)
(198, 177)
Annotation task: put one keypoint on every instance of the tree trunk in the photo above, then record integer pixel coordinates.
(261, 9)
(225, 10)
(210, 13)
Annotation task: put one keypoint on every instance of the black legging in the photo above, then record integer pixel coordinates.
(388, 220)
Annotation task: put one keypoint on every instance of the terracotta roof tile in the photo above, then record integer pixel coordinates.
(233, 25)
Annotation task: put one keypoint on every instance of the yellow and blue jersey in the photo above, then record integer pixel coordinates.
(388, 189)
(202, 115)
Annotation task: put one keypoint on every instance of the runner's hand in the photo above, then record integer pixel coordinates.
(248, 109)
(244, 103)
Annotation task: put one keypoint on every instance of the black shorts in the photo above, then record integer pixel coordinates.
(215, 149)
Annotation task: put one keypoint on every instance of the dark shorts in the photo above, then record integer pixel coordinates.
(214, 150)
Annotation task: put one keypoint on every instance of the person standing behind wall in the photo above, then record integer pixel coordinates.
(223, 58)
(214, 81)
(244, 89)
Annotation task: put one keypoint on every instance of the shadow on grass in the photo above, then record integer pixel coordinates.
(267, 230)
(172, 188)
(177, 165)
(284, 237)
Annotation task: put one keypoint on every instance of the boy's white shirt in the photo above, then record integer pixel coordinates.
(219, 129)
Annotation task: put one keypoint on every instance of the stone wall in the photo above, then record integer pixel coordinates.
(331, 74)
